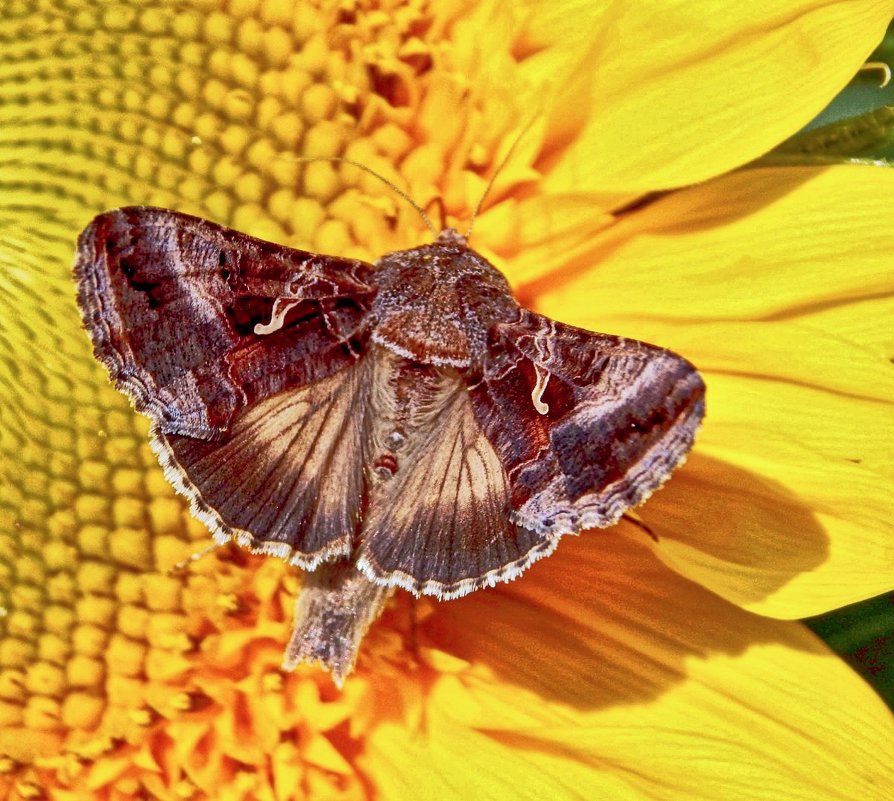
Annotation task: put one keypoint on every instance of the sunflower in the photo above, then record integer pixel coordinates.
(620, 667)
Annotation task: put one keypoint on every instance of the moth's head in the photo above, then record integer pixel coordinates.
(450, 236)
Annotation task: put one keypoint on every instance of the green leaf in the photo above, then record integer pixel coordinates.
(865, 138)
(885, 50)
(863, 634)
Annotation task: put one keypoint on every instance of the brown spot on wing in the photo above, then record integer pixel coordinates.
(171, 303)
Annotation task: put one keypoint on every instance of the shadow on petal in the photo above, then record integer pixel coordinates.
(740, 534)
(678, 214)
(601, 623)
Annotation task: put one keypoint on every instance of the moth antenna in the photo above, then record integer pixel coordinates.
(442, 211)
(493, 178)
(425, 218)
(193, 557)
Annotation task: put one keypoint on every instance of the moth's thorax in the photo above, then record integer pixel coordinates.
(437, 303)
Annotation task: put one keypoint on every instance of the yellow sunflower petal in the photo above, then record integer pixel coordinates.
(778, 285)
(605, 675)
(671, 93)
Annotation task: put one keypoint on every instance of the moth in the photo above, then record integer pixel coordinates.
(398, 424)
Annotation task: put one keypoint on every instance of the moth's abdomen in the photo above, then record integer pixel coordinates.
(332, 613)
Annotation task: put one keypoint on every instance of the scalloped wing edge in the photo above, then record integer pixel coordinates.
(222, 532)
(457, 589)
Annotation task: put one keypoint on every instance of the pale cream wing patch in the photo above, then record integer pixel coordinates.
(287, 478)
(440, 524)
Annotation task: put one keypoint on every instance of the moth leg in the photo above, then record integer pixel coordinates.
(640, 525)
(186, 563)
(410, 636)
(332, 613)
